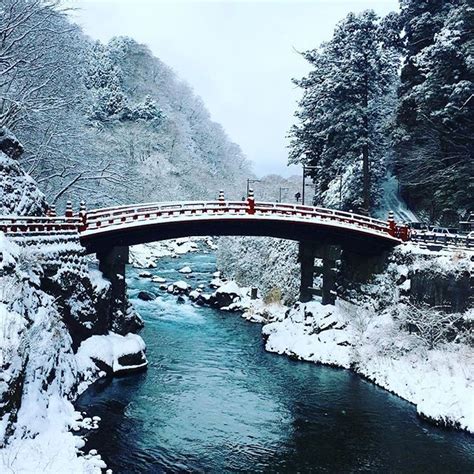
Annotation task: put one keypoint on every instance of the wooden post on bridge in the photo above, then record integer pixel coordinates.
(391, 224)
(308, 251)
(51, 211)
(83, 215)
(69, 212)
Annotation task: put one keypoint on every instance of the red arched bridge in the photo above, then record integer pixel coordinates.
(109, 232)
(101, 229)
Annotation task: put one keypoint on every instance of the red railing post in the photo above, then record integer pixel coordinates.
(221, 198)
(69, 212)
(51, 212)
(391, 224)
(82, 216)
(251, 202)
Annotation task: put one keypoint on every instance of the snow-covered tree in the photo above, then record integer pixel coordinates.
(347, 98)
(104, 81)
(434, 136)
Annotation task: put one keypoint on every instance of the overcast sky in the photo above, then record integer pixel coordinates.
(239, 56)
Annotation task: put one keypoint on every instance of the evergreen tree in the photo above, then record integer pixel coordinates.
(103, 79)
(343, 111)
(435, 129)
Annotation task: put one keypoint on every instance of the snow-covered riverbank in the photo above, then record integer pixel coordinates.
(50, 302)
(439, 381)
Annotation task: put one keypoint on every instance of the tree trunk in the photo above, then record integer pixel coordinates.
(366, 173)
(365, 151)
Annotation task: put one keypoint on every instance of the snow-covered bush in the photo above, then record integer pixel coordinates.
(431, 325)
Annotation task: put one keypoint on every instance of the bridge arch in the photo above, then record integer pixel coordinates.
(131, 225)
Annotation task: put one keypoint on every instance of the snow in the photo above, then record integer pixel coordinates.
(310, 334)
(179, 287)
(230, 288)
(54, 449)
(146, 255)
(216, 283)
(99, 283)
(185, 270)
(38, 365)
(158, 279)
(108, 349)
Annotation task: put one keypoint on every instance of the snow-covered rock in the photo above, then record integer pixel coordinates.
(179, 287)
(216, 283)
(158, 279)
(111, 352)
(185, 270)
(227, 294)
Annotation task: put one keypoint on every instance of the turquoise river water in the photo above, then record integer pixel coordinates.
(213, 400)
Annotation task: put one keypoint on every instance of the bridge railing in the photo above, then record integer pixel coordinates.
(94, 220)
(222, 205)
(33, 224)
(444, 240)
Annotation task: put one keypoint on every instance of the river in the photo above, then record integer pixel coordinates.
(213, 400)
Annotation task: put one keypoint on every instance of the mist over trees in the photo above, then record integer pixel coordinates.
(109, 122)
(392, 95)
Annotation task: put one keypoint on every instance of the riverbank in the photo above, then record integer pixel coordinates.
(438, 381)
(54, 343)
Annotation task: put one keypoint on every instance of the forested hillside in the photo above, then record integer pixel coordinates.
(90, 115)
(392, 94)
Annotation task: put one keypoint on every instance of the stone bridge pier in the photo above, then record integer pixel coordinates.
(112, 265)
(341, 270)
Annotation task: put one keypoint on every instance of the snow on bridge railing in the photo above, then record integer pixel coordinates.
(33, 224)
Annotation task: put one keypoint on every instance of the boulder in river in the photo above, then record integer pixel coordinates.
(179, 288)
(185, 270)
(226, 294)
(145, 296)
(158, 279)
